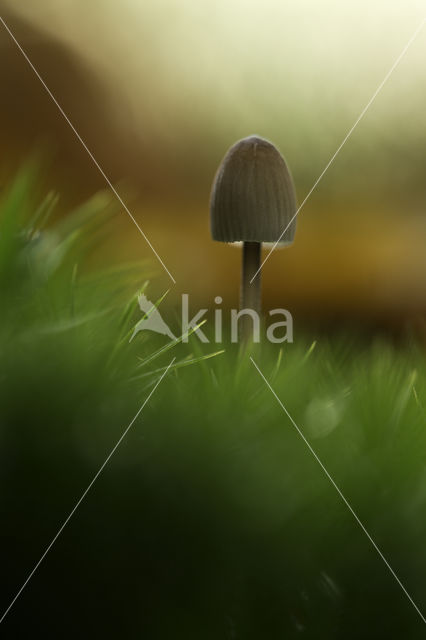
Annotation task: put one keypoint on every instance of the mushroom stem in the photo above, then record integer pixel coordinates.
(250, 292)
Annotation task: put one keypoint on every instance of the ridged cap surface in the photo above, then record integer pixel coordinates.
(253, 197)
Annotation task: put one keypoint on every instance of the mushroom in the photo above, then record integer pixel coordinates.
(253, 201)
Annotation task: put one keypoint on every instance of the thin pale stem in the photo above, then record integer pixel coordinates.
(250, 292)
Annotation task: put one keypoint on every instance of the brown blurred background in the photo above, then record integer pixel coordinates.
(159, 90)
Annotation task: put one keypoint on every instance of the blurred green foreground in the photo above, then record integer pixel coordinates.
(213, 519)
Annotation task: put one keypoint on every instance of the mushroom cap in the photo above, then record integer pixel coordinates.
(253, 197)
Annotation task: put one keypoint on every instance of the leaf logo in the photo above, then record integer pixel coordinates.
(152, 319)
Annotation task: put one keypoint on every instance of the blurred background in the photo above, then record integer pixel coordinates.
(159, 90)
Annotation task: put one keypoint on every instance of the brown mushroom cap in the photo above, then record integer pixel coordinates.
(253, 197)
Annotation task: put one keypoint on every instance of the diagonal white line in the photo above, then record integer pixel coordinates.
(101, 171)
(345, 139)
(84, 494)
(339, 492)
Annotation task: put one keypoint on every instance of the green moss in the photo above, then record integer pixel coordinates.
(213, 519)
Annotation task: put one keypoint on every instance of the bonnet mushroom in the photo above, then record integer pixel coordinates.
(253, 201)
